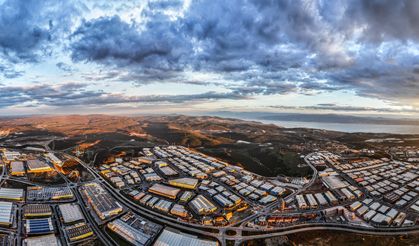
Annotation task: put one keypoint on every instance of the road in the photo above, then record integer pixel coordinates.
(239, 227)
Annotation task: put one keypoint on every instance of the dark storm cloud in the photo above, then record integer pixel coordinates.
(258, 47)
(29, 26)
(111, 40)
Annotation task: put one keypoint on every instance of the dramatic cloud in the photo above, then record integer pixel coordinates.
(73, 94)
(249, 47)
(28, 27)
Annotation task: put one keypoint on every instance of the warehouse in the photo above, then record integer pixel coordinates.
(50, 240)
(168, 171)
(17, 168)
(186, 183)
(179, 210)
(70, 213)
(369, 215)
(311, 201)
(174, 238)
(163, 205)
(348, 194)
(267, 199)
(39, 226)
(354, 206)
(398, 221)
(39, 193)
(301, 202)
(101, 201)
(78, 232)
(54, 159)
(186, 196)
(202, 205)
(362, 210)
(223, 201)
(6, 213)
(11, 194)
(320, 198)
(10, 156)
(164, 190)
(332, 199)
(37, 210)
(277, 191)
(38, 166)
(128, 233)
(334, 182)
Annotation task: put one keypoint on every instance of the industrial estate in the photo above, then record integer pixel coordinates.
(174, 195)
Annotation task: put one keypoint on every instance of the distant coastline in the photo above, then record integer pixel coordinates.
(332, 122)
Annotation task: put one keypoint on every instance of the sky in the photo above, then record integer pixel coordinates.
(173, 56)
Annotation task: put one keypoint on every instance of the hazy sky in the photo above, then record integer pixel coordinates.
(178, 56)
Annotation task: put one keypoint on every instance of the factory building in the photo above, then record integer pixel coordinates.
(186, 196)
(164, 190)
(320, 198)
(104, 205)
(70, 213)
(12, 194)
(202, 205)
(301, 202)
(6, 213)
(54, 159)
(37, 210)
(179, 210)
(332, 199)
(39, 226)
(186, 183)
(78, 232)
(17, 168)
(38, 166)
(135, 229)
(40, 193)
(223, 201)
(311, 201)
(50, 240)
(174, 238)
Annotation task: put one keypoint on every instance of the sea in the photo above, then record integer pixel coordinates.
(346, 127)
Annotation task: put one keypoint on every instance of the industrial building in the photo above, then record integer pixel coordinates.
(186, 196)
(164, 190)
(54, 159)
(135, 229)
(202, 205)
(37, 210)
(311, 201)
(38, 166)
(78, 232)
(17, 168)
(9, 156)
(104, 205)
(40, 193)
(70, 213)
(223, 201)
(12, 194)
(301, 203)
(39, 226)
(168, 171)
(6, 213)
(50, 240)
(186, 183)
(175, 238)
(179, 210)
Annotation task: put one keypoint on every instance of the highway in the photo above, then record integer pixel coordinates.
(239, 227)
